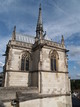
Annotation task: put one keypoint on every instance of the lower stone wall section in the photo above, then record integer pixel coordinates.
(7, 104)
(62, 101)
(54, 83)
(17, 79)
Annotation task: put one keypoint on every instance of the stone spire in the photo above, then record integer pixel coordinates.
(14, 33)
(62, 40)
(39, 28)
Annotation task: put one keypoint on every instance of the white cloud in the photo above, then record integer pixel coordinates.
(4, 5)
(3, 43)
(65, 26)
(1, 64)
(74, 53)
(66, 21)
(78, 75)
(74, 67)
(78, 62)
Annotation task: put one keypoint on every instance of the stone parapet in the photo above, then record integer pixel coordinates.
(19, 44)
(44, 42)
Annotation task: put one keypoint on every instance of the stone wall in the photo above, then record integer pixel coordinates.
(13, 75)
(9, 93)
(46, 60)
(60, 101)
(54, 83)
(17, 79)
(16, 59)
(34, 79)
(35, 59)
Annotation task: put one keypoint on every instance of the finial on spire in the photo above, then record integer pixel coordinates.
(14, 28)
(62, 40)
(39, 28)
(14, 33)
(40, 6)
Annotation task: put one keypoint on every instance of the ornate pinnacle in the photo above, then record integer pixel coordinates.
(62, 40)
(39, 28)
(14, 33)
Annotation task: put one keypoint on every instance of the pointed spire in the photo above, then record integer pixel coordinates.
(39, 23)
(14, 33)
(39, 28)
(62, 40)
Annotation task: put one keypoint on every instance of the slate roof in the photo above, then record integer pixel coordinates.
(27, 38)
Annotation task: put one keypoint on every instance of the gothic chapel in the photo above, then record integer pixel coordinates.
(39, 66)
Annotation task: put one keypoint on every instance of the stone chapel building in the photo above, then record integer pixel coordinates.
(38, 66)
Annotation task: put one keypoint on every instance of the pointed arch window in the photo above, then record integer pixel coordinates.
(53, 64)
(54, 60)
(25, 62)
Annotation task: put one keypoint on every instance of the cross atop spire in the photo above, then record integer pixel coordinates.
(39, 28)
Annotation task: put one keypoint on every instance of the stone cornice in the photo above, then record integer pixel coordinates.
(48, 44)
(56, 48)
(21, 97)
(17, 71)
(33, 96)
(19, 44)
(37, 71)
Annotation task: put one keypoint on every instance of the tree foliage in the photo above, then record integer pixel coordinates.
(75, 85)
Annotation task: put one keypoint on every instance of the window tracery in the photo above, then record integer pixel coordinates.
(54, 60)
(25, 62)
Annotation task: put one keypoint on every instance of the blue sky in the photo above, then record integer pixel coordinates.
(60, 17)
